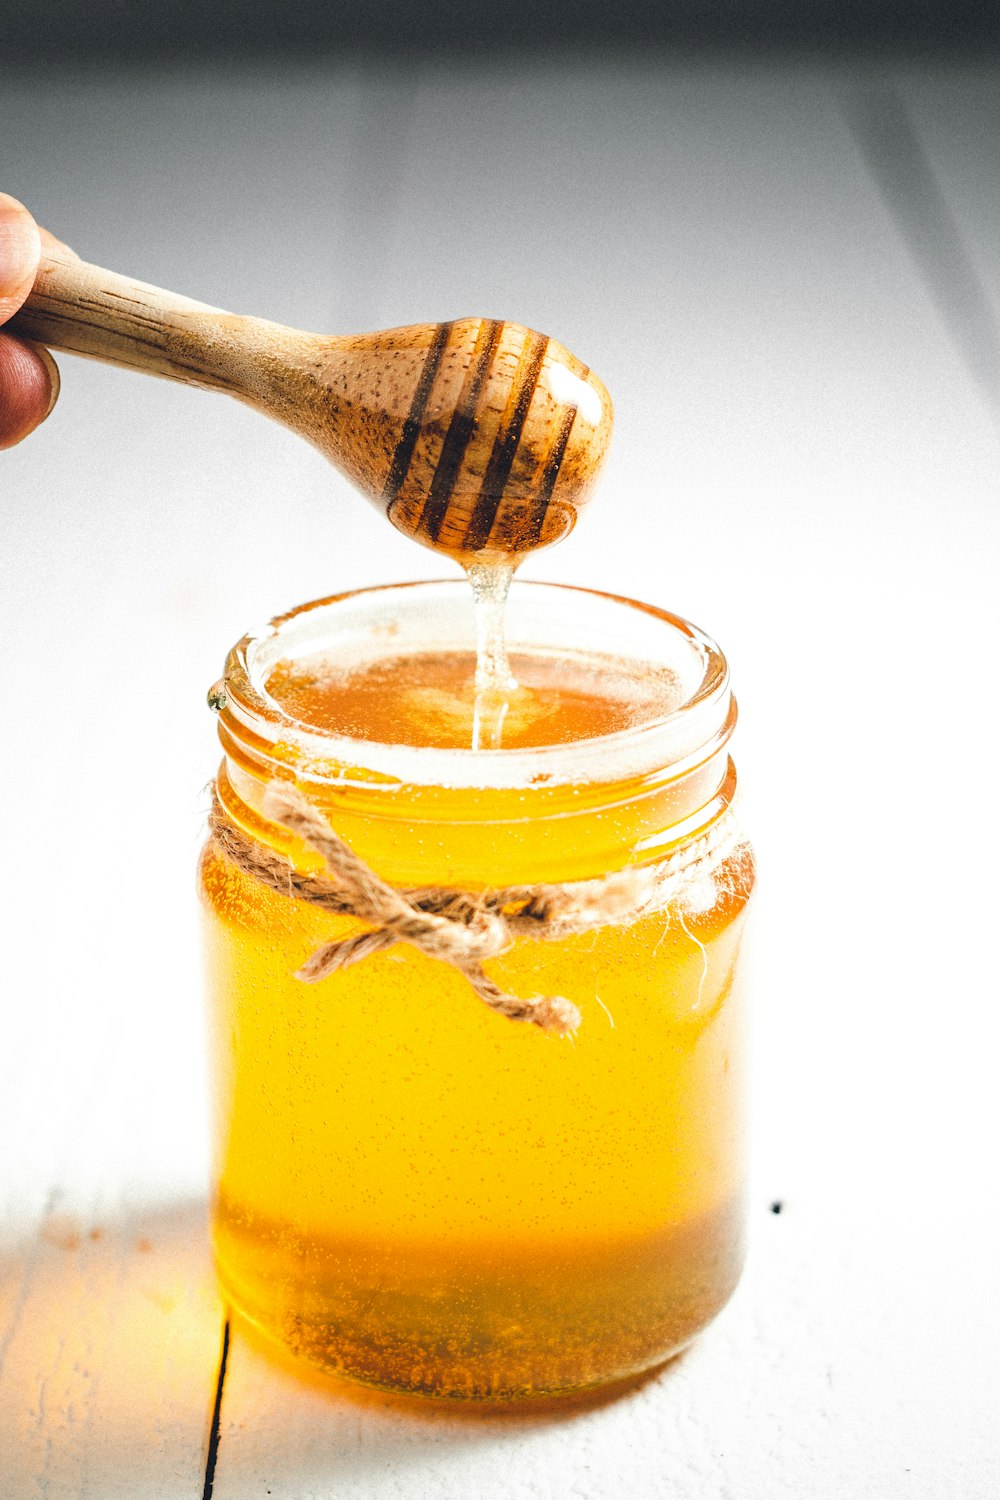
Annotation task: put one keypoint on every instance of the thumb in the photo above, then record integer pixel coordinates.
(20, 248)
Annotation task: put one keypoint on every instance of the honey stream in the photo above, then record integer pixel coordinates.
(495, 682)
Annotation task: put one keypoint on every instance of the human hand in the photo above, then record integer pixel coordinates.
(29, 380)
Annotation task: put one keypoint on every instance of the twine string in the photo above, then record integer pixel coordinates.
(454, 926)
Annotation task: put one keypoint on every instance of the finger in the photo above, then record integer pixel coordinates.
(29, 385)
(52, 246)
(20, 248)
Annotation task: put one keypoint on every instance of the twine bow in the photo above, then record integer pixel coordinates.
(464, 933)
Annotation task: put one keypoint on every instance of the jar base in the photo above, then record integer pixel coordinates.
(327, 1375)
(512, 1331)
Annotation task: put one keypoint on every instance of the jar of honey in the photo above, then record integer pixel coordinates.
(412, 1188)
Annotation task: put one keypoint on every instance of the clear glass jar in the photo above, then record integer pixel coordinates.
(410, 1189)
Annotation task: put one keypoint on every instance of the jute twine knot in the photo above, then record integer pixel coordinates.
(455, 926)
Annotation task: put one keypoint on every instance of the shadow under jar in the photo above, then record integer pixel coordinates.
(411, 1189)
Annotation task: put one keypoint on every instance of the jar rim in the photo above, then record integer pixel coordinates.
(674, 742)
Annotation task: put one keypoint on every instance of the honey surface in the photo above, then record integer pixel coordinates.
(432, 1197)
(431, 698)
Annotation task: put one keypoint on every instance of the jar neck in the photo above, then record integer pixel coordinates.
(497, 818)
(473, 844)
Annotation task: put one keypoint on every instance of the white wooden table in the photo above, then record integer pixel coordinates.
(808, 444)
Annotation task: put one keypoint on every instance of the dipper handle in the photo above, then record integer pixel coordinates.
(82, 309)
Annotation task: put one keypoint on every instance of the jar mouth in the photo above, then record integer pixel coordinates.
(394, 620)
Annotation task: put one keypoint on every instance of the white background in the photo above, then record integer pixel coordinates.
(805, 463)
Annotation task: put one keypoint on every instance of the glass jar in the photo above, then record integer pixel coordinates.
(410, 1188)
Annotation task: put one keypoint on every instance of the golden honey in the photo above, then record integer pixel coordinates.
(411, 1189)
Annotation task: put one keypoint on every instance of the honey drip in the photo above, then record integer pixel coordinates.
(495, 682)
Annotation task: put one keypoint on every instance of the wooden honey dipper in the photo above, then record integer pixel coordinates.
(478, 438)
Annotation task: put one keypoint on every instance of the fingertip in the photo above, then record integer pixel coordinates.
(20, 251)
(55, 247)
(52, 370)
(29, 386)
